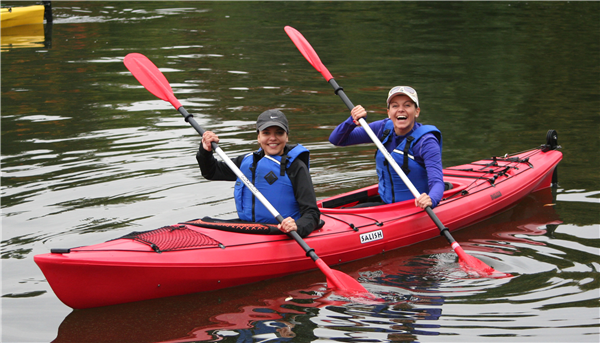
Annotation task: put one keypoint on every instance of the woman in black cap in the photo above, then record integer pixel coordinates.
(278, 170)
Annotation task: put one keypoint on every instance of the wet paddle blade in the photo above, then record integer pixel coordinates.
(336, 280)
(150, 77)
(307, 51)
(340, 281)
(472, 264)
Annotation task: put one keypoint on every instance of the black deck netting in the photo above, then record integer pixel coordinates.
(171, 238)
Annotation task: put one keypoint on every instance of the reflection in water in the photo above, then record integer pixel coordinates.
(310, 312)
(416, 289)
(27, 36)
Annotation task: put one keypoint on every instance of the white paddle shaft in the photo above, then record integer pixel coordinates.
(248, 184)
(389, 157)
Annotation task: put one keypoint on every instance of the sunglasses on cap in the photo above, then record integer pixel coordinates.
(402, 89)
(408, 91)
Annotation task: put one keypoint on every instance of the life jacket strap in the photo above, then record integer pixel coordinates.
(283, 164)
(405, 169)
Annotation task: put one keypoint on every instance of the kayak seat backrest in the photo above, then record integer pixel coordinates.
(448, 186)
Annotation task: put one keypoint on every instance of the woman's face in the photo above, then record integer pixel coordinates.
(404, 113)
(273, 140)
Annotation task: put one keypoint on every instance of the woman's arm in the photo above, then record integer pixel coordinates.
(348, 133)
(306, 198)
(432, 156)
(215, 170)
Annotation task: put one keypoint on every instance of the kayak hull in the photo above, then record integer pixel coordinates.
(126, 270)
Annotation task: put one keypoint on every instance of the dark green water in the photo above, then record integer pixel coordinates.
(89, 155)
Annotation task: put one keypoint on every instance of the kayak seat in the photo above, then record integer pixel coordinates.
(321, 224)
(448, 186)
(362, 199)
(354, 200)
(349, 200)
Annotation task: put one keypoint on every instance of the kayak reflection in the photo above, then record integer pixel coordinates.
(27, 36)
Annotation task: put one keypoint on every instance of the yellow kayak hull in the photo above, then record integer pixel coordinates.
(26, 15)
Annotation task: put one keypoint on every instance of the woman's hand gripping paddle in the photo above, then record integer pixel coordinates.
(467, 262)
(155, 82)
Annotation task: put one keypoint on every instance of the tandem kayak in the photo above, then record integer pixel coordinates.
(199, 256)
(25, 15)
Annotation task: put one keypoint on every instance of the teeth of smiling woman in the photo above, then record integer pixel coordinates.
(401, 117)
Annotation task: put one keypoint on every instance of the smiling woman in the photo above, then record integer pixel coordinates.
(273, 131)
(277, 169)
(417, 148)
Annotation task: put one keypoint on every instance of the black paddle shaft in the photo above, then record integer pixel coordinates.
(444, 231)
(190, 119)
(340, 92)
(310, 252)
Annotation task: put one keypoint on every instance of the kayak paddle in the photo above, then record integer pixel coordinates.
(156, 83)
(467, 262)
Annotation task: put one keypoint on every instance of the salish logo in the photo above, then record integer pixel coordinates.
(274, 117)
(371, 236)
(496, 195)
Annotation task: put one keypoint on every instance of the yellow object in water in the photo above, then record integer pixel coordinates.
(24, 36)
(26, 15)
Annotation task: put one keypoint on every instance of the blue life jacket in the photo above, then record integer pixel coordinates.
(391, 187)
(269, 176)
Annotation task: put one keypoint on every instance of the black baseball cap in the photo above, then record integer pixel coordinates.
(272, 118)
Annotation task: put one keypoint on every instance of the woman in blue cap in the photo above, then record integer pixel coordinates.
(417, 148)
(278, 170)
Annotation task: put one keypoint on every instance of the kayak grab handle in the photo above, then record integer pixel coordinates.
(60, 251)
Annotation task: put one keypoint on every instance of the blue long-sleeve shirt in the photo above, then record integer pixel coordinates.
(427, 150)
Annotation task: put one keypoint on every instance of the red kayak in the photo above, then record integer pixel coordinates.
(201, 255)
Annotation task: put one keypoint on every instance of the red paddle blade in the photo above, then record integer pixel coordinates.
(473, 264)
(307, 51)
(339, 280)
(150, 77)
